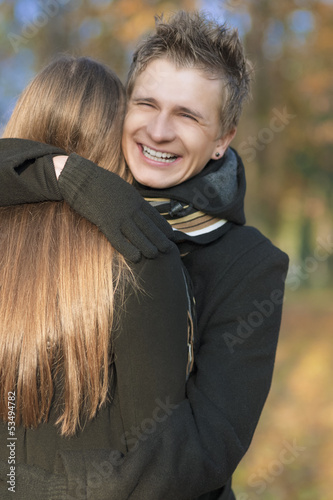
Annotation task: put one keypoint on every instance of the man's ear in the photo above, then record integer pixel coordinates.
(222, 143)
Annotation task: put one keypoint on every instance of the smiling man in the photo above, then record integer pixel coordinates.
(172, 126)
(186, 87)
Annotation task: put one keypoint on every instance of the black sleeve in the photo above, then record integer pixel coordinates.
(27, 173)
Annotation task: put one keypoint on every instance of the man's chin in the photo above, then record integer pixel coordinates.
(155, 183)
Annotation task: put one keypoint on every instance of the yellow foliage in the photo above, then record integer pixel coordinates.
(133, 28)
(299, 409)
(323, 133)
(325, 39)
(317, 82)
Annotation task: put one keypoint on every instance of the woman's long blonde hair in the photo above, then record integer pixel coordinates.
(59, 276)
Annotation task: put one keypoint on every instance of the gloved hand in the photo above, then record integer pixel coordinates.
(131, 225)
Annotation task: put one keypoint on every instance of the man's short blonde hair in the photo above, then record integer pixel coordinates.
(193, 40)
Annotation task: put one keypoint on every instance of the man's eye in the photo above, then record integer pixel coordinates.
(189, 116)
(145, 104)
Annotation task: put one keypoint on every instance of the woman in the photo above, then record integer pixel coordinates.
(86, 340)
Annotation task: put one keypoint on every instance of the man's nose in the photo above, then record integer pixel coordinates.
(160, 128)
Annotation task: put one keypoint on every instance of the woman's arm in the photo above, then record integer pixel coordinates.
(27, 175)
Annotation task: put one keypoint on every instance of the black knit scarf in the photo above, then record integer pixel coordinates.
(199, 208)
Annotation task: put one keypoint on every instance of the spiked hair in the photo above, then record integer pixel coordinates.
(193, 40)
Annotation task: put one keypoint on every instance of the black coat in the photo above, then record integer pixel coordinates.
(238, 280)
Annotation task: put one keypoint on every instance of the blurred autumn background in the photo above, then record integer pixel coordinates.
(285, 139)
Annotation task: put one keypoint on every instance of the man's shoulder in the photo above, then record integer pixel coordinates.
(243, 239)
(240, 246)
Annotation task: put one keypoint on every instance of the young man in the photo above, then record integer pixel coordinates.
(186, 88)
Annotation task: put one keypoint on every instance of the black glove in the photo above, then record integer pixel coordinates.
(131, 225)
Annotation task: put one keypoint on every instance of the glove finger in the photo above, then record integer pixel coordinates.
(130, 252)
(154, 233)
(157, 219)
(137, 238)
(125, 247)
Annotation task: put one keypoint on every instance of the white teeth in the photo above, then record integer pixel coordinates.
(152, 154)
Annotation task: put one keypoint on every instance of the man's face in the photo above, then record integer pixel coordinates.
(172, 126)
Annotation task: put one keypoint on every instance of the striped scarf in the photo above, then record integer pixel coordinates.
(188, 221)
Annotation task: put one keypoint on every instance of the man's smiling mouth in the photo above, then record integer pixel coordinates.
(160, 156)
